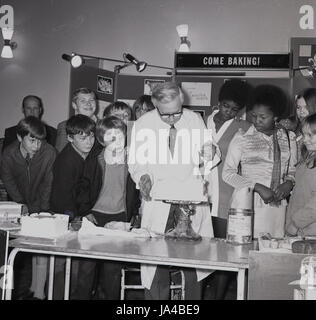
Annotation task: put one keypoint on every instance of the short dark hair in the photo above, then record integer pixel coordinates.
(271, 96)
(108, 123)
(40, 102)
(235, 90)
(117, 105)
(33, 126)
(309, 95)
(80, 124)
(82, 91)
(140, 101)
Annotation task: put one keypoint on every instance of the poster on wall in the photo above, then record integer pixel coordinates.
(307, 57)
(149, 85)
(197, 93)
(105, 85)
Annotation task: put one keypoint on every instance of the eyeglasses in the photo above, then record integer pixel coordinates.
(166, 116)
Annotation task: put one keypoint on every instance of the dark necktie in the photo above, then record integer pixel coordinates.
(28, 159)
(172, 138)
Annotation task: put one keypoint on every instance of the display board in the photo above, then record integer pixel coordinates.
(110, 86)
(303, 54)
(214, 85)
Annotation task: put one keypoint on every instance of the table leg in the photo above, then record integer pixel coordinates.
(9, 275)
(51, 277)
(241, 284)
(67, 278)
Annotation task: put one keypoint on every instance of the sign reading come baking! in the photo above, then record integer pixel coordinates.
(196, 60)
(6, 16)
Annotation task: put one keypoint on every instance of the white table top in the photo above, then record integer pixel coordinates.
(202, 254)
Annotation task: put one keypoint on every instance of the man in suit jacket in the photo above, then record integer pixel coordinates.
(31, 106)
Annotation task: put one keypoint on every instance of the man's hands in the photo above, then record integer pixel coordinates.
(91, 218)
(145, 186)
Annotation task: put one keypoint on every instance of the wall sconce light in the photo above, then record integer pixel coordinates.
(182, 30)
(9, 45)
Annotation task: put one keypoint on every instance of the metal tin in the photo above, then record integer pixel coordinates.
(239, 226)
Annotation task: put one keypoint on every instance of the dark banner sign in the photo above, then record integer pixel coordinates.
(232, 61)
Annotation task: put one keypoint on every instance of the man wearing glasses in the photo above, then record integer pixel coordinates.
(168, 117)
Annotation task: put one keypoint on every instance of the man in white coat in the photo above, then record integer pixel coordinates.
(155, 164)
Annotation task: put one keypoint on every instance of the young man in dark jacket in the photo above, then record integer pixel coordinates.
(67, 172)
(26, 171)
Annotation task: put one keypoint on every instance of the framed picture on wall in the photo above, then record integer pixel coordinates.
(149, 85)
(197, 93)
(105, 85)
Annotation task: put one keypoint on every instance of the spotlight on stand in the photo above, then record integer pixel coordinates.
(182, 30)
(140, 65)
(75, 60)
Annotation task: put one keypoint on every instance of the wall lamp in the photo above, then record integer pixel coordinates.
(182, 30)
(9, 45)
(76, 60)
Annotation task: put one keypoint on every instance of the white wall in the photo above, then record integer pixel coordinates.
(44, 29)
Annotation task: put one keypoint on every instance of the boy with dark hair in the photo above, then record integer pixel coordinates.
(67, 171)
(69, 164)
(26, 171)
(112, 197)
(26, 167)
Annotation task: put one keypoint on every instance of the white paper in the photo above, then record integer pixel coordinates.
(197, 93)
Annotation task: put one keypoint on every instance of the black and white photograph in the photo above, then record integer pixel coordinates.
(157, 154)
(149, 85)
(105, 85)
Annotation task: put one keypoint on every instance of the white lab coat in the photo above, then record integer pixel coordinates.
(155, 213)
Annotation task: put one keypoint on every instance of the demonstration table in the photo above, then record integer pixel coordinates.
(207, 254)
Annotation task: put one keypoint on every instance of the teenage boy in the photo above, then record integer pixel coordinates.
(26, 167)
(26, 171)
(113, 197)
(67, 172)
(69, 165)
(83, 102)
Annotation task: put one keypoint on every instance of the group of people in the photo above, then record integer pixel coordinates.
(84, 169)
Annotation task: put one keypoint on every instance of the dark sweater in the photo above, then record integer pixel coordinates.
(28, 183)
(67, 171)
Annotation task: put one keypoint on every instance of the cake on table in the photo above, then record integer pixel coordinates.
(44, 225)
(190, 190)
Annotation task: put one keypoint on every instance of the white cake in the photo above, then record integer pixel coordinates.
(44, 225)
(188, 190)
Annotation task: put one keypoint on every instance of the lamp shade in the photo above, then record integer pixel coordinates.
(182, 30)
(6, 52)
(7, 33)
